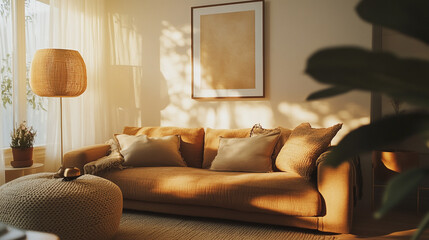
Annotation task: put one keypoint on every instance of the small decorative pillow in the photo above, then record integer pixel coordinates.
(113, 161)
(211, 142)
(257, 129)
(143, 151)
(245, 154)
(114, 145)
(304, 146)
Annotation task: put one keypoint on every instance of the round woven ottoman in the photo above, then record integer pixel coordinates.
(89, 207)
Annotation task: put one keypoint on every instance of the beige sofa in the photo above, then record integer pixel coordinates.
(279, 198)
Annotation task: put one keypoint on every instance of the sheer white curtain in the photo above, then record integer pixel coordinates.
(78, 25)
(5, 74)
(2, 172)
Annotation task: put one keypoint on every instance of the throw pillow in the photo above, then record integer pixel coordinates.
(143, 151)
(304, 146)
(113, 161)
(211, 142)
(257, 129)
(191, 140)
(245, 154)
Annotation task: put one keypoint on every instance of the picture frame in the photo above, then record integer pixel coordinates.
(228, 50)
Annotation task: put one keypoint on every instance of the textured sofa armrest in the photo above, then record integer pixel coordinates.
(79, 157)
(336, 185)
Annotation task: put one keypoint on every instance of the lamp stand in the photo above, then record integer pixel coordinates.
(69, 173)
(60, 172)
(61, 127)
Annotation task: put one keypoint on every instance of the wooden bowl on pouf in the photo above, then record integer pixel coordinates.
(22, 157)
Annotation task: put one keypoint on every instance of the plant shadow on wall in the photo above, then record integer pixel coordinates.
(175, 61)
(348, 68)
(281, 109)
(135, 87)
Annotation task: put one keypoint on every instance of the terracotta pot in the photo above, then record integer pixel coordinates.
(22, 157)
(399, 161)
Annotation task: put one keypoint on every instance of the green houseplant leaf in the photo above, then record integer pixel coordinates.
(402, 79)
(423, 224)
(378, 134)
(356, 68)
(406, 16)
(328, 92)
(399, 187)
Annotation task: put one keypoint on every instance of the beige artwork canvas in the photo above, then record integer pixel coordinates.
(228, 50)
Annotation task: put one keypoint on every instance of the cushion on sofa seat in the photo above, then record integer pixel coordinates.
(252, 154)
(191, 144)
(144, 151)
(211, 141)
(304, 146)
(257, 129)
(273, 193)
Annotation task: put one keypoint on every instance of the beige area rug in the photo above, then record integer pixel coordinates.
(143, 225)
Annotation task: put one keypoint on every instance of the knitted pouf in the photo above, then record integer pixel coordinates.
(89, 207)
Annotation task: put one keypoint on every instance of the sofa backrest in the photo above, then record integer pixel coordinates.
(199, 147)
(191, 144)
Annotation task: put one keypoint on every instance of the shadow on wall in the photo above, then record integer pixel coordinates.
(276, 109)
(149, 76)
(136, 97)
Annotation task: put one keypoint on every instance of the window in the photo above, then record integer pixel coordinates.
(6, 74)
(32, 108)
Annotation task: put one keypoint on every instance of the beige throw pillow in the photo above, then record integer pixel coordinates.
(245, 154)
(143, 151)
(257, 129)
(304, 146)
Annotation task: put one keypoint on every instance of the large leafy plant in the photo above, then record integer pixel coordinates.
(405, 79)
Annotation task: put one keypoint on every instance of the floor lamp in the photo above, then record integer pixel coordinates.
(58, 73)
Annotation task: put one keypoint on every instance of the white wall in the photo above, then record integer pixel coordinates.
(150, 66)
(149, 70)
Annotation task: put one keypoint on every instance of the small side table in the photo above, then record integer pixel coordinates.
(13, 173)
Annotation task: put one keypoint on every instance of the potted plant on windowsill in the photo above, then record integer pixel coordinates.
(22, 140)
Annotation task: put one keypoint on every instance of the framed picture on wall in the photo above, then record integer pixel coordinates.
(228, 50)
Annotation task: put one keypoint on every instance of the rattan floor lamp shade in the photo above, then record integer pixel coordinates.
(58, 73)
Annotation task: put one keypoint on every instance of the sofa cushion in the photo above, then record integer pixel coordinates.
(211, 141)
(272, 193)
(191, 144)
(257, 129)
(304, 146)
(251, 154)
(144, 151)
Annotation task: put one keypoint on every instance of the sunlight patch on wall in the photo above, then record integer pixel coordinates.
(321, 114)
(297, 113)
(137, 86)
(175, 68)
(181, 110)
(250, 113)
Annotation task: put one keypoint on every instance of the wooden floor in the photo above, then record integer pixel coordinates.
(395, 225)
